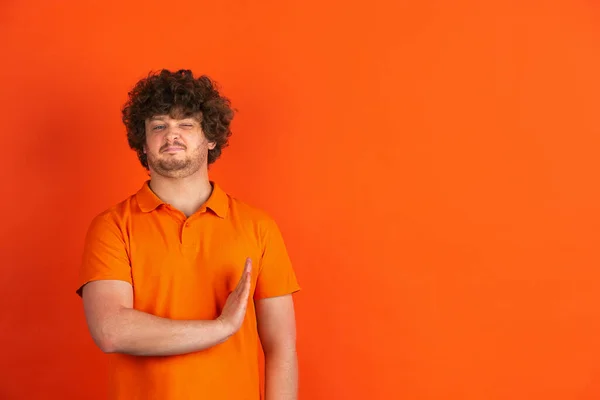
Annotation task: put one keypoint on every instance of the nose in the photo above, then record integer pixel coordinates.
(172, 133)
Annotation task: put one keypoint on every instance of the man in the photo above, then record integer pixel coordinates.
(180, 281)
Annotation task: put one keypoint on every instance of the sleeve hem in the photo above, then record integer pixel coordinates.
(280, 293)
(79, 290)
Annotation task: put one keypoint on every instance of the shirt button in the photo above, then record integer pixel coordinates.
(187, 224)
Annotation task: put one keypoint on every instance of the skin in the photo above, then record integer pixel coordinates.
(177, 152)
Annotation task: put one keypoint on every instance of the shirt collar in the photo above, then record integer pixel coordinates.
(218, 202)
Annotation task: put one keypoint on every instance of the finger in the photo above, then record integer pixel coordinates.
(238, 287)
(247, 267)
(241, 292)
(247, 285)
(246, 275)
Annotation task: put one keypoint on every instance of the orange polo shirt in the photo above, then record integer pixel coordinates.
(184, 268)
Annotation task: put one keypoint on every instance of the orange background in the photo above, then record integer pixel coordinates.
(433, 166)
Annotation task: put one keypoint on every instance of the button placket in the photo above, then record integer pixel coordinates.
(184, 227)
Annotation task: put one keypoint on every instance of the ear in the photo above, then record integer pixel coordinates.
(212, 145)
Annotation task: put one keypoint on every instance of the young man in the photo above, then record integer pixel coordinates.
(180, 281)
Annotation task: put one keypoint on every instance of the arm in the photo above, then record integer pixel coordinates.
(118, 328)
(277, 331)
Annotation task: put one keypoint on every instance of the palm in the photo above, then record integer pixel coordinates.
(234, 311)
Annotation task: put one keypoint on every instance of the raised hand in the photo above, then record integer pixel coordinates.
(234, 311)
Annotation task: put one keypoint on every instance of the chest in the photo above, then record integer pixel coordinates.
(188, 265)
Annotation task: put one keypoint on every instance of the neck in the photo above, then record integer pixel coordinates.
(185, 194)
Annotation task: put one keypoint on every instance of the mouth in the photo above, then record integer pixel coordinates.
(173, 149)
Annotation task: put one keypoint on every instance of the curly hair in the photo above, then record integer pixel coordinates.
(179, 95)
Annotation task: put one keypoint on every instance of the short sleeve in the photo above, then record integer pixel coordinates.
(104, 253)
(276, 277)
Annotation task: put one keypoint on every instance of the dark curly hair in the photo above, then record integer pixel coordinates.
(179, 95)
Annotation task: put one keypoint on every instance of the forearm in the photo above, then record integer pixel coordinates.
(134, 332)
(281, 375)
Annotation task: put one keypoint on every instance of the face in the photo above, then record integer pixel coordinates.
(176, 148)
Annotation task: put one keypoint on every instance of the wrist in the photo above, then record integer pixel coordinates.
(224, 329)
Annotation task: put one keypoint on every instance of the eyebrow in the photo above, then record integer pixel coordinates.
(157, 118)
(162, 118)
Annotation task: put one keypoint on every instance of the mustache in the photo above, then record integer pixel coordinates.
(174, 144)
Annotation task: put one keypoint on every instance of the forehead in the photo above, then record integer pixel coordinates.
(176, 113)
(177, 117)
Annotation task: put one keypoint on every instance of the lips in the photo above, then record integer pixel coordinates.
(172, 149)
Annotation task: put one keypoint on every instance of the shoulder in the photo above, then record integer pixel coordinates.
(248, 211)
(115, 215)
(251, 215)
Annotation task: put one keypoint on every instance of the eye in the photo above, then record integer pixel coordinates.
(187, 125)
(158, 127)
